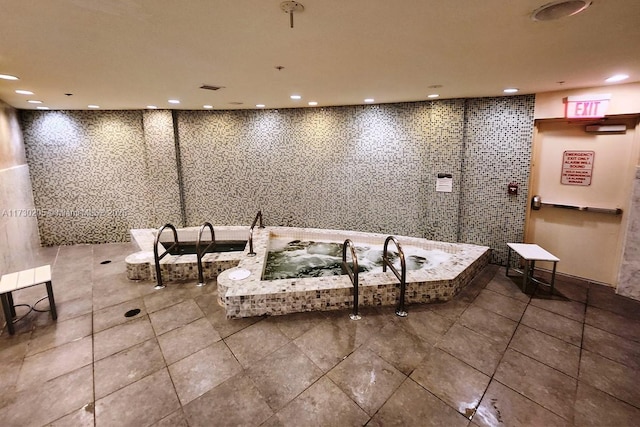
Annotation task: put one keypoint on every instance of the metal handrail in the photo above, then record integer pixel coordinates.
(537, 203)
(402, 276)
(253, 224)
(200, 253)
(353, 275)
(157, 257)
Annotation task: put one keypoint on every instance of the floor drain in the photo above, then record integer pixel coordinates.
(132, 313)
(106, 261)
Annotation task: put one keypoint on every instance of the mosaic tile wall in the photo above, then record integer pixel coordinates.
(89, 174)
(366, 168)
(162, 188)
(498, 138)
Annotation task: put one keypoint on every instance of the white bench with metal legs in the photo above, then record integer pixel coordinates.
(530, 253)
(21, 280)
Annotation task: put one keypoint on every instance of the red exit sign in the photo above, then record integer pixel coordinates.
(586, 106)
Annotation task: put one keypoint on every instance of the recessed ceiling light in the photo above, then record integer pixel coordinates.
(559, 9)
(433, 95)
(295, 97)
(8, 77)
(369, 100)
(260, 105)
(510, 90)
(207, 106)
(93, 106)
(313, 103)
(42, 108)
(617, 78)
(174, 101)
(152, 107)
(34, 101)
(24, 92)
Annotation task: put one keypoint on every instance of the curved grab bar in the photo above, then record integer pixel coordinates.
(200, 253)
(353, 275)
(157, 257)
(402, 276)
(253, 224)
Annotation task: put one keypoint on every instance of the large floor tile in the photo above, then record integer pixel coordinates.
(403, 350)
(472, 348)
(549, 350)
(572, 309)
(553, 324)
(596, 408)
(185, 340)
(612, 346)
(611, 377)
(326, 345)
(176, 419)
(540, 383)
(54, 362)
(126, 367)
(141, 403)
(322, 404)
(227, 327)
(295, 324)
(235, 402)
(502, 406)
(73, 308)
(115, 315)
(197, 374)
(255, 342)
(453, 381)
(83, 417)
(60, 332)
(426, 324)
(605, 298)
(367, 379)
(500, 304)
(175, 316)
(413, 406)
(372, 321)
(50, 400)
(494, 326)
(613, 323)
(283, 375)
(507, 286)
(121, 337)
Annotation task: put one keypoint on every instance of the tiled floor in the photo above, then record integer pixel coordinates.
(493, 356)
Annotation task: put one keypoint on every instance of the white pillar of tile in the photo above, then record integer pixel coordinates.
(629, 274)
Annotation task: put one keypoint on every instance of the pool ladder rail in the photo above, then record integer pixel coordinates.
(352, 271)
(253, 225)
(158, 257)
(200, 251)
(402, 275)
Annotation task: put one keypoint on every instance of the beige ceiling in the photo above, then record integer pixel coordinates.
(127, 54)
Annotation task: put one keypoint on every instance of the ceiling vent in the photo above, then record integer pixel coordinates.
(211, 87)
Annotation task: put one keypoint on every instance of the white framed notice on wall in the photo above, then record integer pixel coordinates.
(577, 167)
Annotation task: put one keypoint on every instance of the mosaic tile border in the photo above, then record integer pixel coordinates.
(255, 297)
(141, 264)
